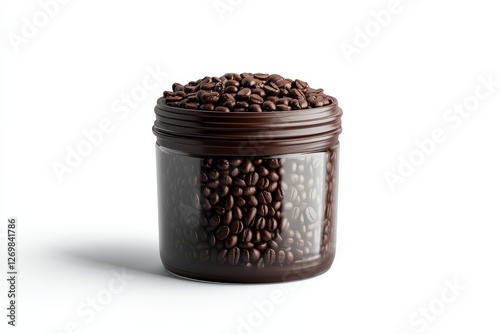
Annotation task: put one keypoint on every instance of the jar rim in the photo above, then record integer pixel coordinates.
(244, 133)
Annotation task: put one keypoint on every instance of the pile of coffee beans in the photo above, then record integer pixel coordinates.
(245, 92)
(256, 212)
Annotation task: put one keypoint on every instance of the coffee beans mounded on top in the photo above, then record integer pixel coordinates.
(245, 92)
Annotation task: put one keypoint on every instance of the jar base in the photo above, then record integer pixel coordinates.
(298, 271)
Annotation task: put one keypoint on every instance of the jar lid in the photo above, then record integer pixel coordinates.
(201, 132)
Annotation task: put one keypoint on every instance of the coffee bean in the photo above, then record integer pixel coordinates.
(237, 213)
(248, 191)
(237, 191)
(263, 183)
(283, 107)
(281, 257)
(265, 197)
(261, 247)
(236, 227)
(272, 224)
(255, 99)
(214, 221)
(231, 241)
(262, 171)
(261, 223)
(243, 94)
(249, 217)
(262, 210)
(245, 255)
(229, 202)
(220, 210)
(252, 179)
(233, 256)
(252, 201)
(222, 232)
(255, 108)
(310, 214)
(246, 235)
(266, 235)
(221, 256)
(223, 164)
(246, 245)
(269, 257)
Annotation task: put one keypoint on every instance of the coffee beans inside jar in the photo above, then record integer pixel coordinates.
(263, 217)
(246, 92)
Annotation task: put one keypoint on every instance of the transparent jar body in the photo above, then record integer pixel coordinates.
(247, 219)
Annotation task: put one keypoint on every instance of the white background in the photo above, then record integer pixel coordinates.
(396, 248)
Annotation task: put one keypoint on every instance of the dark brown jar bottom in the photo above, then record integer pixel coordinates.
(224, 274)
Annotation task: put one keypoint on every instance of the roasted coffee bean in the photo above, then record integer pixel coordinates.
(236, 227)
(248, 191)
(261, 247)
(269, 257)
(237, 191)
(279, 194)
(259, 91)
(283, 107)
(223, 164)
(272, 224)
(255, 99)
(262, 210)
(269, 106)
(273, 244)
(249, 216)
(243, 94)
(310, 214)
(231, 241)
(214, 221)
(272, 187)
(245, 255)
(222, 232)
(266, 235)
(246, 235)
(252, 179)
(221, 256)
(281, 257)
(262, 171)
(252, 201)
(246, 245)
(239, 182)
(265, 197)
(237, 213)
(255, 108)
(233, 256)
(263, 183)
(220, 210)
(229, 202)
(261, 223)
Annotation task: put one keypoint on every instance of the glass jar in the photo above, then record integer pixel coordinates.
(247, 197)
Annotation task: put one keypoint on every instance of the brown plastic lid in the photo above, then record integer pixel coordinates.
(201, 132)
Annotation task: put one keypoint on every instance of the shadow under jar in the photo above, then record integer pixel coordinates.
(247, 197)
